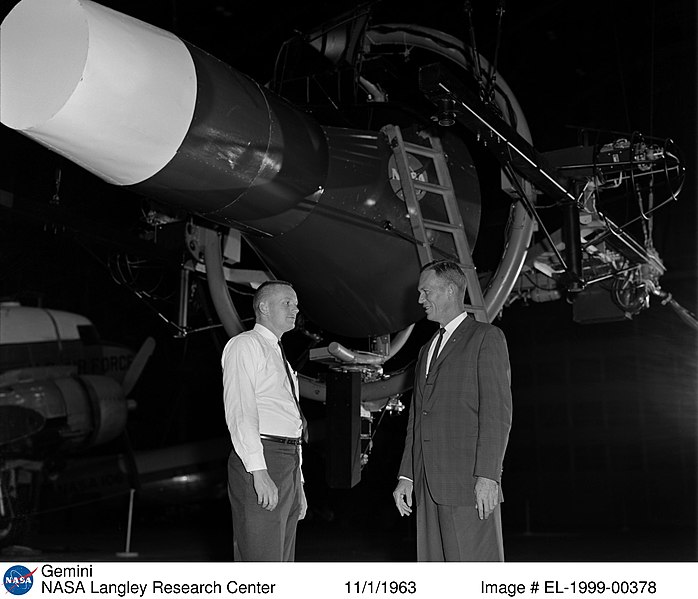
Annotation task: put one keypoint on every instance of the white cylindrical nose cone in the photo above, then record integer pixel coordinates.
(105, 90)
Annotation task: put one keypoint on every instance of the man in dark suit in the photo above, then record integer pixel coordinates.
(458, 428)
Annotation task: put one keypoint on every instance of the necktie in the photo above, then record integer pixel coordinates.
(293, 391)
(436, 349)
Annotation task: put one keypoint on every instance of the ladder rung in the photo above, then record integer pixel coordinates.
(420, 150)
(431, 187)
(439, 226)
(469, 308)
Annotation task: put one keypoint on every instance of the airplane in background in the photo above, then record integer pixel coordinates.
(62, 391)
(374, 145)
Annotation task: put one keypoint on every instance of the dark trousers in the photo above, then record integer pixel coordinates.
(454, 533)
(261, 535)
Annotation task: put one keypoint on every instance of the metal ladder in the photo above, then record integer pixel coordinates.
(421, 226)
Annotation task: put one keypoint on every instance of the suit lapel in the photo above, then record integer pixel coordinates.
(453, 340)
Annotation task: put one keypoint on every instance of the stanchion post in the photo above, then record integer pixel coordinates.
(128, 552)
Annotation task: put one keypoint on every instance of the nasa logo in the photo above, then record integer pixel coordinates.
(18, 580)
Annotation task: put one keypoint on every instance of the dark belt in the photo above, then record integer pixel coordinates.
(287, 440)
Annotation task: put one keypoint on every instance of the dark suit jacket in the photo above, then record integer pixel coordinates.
(460, 415)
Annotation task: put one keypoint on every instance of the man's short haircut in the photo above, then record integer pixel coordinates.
(448, 270)
(264, 291)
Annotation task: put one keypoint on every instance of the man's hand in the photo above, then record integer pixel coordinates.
(403, 496)
(267, 493)
(486, 496)
(304, 504)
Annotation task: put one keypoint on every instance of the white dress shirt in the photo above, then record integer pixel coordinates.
(448, 331)
(257, 394)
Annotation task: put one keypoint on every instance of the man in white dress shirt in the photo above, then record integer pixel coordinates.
(260, 396)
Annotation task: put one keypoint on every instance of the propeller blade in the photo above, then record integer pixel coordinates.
(139, 361)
